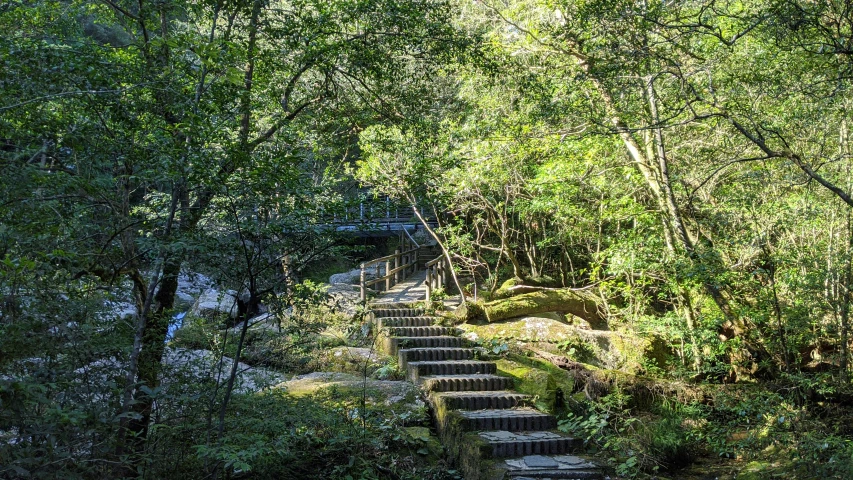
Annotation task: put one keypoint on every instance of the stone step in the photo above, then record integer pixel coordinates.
(513, 420)
(405, 321)
(558, 475)
(515, 444)
(466, 383)
(397, 312)
(552, 466)
(481, 400)
(416, 370)
(407, 355)
(394, 344)
(421, 331)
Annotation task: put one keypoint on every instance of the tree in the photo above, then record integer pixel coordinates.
(206, 93)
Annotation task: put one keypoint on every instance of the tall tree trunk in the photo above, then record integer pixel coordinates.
(656, 175)
(844, 141)
(155, 325)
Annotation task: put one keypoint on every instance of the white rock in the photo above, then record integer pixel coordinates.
(212, 303)
(353, 277)
(347, 278)
(205, 364)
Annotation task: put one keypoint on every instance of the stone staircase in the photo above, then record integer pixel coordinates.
(489, 430)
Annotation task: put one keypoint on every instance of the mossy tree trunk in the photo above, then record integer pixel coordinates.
(581, 304)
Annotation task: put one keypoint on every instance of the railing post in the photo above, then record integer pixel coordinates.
(361, 283)
(397, 265)
(428, 281)
(387, 275)
(446, 272)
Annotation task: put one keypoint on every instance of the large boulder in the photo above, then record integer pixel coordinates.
(604, 349)
(346, 297)
(213, 304)
(205, 365)
(346, 278)
(400, 398)
(190, 287)
(353, 276)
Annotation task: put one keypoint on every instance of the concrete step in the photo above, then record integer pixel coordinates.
(397, 312)
(466, 383)
(405, 321)
(514, 444)
(513, 420)
(407, 355)
(552, 466)
(394, 344)
(421, 331)
(481, 400)
(416, 370)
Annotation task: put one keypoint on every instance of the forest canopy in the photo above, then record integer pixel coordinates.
(684, 167)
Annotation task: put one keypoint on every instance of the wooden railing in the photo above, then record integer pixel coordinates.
(366, 209)
(437, 275)
(397, 267)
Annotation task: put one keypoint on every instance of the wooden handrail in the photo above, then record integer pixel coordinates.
(404, 262)
(434, 261)
(437, 272)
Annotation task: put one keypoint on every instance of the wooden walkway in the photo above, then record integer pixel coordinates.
(412, 289)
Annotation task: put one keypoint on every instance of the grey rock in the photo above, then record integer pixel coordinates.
(212, 303)
(540, 461)
(346, 297)
(353, 277)
(348, 278)
(570, 460)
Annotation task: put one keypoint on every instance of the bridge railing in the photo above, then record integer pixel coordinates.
(398, 266)
(368, 210)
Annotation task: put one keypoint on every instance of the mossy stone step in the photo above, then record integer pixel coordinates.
(465, 383)
(552, 467)
(513, 420)
(416, 370)
(514, 444)
(397, 312)
(406, 321)
(558, 475)
(480, 400)
(394, 344)
(430, 331)
(407, 355)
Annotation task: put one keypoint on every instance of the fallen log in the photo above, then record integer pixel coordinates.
(579, 303)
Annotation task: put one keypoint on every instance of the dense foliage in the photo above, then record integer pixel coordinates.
(688, 161)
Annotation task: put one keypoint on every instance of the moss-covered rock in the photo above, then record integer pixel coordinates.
(393, 398)
(353, 360)
(604, 349)
(546, 327)
(548, 385)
